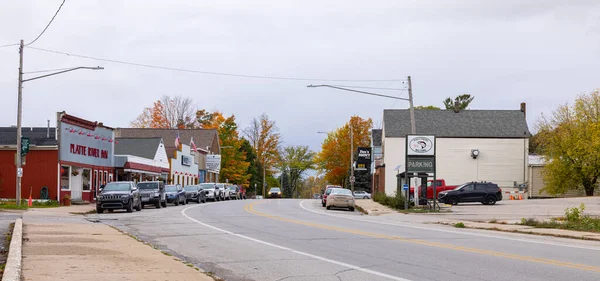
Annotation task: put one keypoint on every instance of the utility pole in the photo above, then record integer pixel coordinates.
(19, 113)
(413, 126)
(351, 158)
(264, 178)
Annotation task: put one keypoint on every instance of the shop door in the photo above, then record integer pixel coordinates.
(76, 185)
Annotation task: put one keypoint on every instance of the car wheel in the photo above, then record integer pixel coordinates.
(328, 207)
(164, 203)
(139, 206)
(351, 209)
(490, 200)
(176, 202)
(99, 210)
(366, 197)
(453, 200)
(157, 204)
(130, 206)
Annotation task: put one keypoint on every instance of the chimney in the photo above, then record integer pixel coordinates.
(524, 109)
(456, 107)
(48, 130)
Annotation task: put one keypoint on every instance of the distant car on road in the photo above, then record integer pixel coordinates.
(316, 196)
(119, 195)
(153, 193)
(340, 198)
(233, 192)
(485, 192)
(209, 188)
(175, 194)
(362, 195)
(274, 192)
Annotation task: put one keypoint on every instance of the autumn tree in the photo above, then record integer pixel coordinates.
(313, 185)
(570, 142)
(463, 100)
(334, 157)
(234, 166)
(294, 162)
(253, 168)
(264, 136)
(168, 113)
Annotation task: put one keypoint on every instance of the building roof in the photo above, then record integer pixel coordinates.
(536, 160)
(36, 135)
(464, 124)
(202, 137)
(376, 135)
(141, 147)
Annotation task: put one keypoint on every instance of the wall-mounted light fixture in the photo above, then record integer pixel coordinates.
(474, 153)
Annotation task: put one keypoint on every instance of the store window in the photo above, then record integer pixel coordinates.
(86, 179)
(65, 176)
(106, 178)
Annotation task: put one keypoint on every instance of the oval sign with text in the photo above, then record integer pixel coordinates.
(420, 145)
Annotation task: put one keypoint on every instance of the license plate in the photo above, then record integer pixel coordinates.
(144, 199)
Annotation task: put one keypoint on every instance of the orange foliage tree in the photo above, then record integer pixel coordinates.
(334, 157)
(234, 166)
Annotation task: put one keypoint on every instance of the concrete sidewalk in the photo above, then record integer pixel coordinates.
(94, 251)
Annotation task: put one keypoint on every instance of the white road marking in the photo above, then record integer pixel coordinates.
(590, 247)
(376, 273)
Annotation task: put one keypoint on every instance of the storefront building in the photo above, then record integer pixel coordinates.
(184, 168)
(40, 167)
(86, 158)
(141, 159)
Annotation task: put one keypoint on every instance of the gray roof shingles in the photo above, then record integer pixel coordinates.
(464, 124)
(202, 137)
(36, 135)
(141, 147)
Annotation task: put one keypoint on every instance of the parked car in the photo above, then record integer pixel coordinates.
(316, 196)
(153, 193)
(194, 193)
(175, 194)
(274, 192)
(119, 195)
(233, 192)
(326, 193)
(440, 186)
(485, 192)
(210, 190)
(362, 195)
(222, 192)
(340, 198)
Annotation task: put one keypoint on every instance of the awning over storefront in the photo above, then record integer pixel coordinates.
(141, 172)
(141, 168)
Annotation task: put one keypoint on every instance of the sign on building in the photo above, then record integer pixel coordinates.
(213, 163)
(186, 160)
(421, 145)
(363, 159)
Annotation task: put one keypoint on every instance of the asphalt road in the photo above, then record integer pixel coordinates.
(292, 240)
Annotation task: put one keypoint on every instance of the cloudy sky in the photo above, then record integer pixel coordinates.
(503, 52)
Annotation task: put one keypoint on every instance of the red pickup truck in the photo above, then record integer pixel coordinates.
(440, 186)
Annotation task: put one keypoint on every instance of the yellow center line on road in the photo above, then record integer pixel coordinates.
(250, 209)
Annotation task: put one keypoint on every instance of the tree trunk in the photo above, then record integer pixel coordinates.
(589, 186)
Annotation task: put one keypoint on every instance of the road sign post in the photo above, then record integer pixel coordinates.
(405, 189)
(421, 162)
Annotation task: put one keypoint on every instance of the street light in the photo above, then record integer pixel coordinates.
(20, 111)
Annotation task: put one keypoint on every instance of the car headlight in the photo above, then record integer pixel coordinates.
(156, 194)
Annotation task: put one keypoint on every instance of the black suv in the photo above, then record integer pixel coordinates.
(485, 192)
(153, 193)
(119, 195)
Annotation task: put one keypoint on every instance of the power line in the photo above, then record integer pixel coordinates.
(63, 2)
(372, 88)
(17, 44)
(211, 72)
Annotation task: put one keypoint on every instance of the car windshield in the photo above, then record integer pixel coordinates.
(274, 189)
(171, 188)
(342, 191)
(329, 190)
(232, 187)
(117, 186)
(460, 186)
(147, 185)
(207, 185)
(191, 188)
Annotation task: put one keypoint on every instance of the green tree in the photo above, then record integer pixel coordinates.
(294, 162)
(463, 101)
(570, 142)
(253, 167)
(429, 107)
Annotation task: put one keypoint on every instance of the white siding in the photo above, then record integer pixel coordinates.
(161, 156)
(176, 166)
(501, 161)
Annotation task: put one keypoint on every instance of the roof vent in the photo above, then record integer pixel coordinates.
(456, 106)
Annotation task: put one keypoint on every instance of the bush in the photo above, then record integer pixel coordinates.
(575, 214)
(394, 202)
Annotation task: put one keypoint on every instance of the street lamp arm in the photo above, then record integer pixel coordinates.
(60, 72)
(356, 91)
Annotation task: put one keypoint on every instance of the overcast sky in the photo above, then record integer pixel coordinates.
(503, 52)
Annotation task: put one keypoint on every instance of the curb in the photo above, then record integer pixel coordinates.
(12, 271)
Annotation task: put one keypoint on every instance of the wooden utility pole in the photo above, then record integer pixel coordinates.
(413, 126)
(352, 179)
(19, 129)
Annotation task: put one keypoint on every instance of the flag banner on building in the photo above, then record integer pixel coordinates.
(177, 140)
(193, 144)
